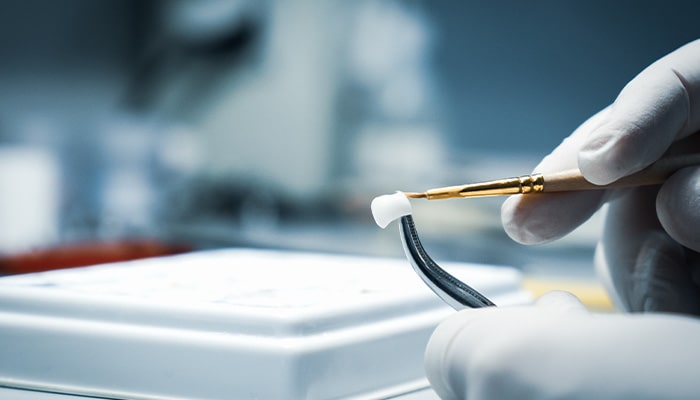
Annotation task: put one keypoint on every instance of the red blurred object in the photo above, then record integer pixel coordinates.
(86, 253)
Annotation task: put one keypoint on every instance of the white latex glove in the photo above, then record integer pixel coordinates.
(647, 254)
(557, 350)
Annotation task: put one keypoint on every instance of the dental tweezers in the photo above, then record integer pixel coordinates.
(451, 290)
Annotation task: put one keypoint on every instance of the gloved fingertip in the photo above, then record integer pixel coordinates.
(616, 149)
(435, 371)
(516, 220)
(440, 354)
(598, 161)
(529, 219)
(511, 221)
(563, 301)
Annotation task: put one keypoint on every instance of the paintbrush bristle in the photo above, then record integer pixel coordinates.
(414, 195)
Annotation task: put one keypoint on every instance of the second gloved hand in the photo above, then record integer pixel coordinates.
(557, 350)
(648, 252)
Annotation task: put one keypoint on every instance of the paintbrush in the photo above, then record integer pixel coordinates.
(564, 181)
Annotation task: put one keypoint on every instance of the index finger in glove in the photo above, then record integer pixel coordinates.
(657, 107)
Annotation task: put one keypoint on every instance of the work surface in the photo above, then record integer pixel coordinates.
(228, 324)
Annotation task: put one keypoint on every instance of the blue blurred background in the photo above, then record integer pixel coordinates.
(274, 123)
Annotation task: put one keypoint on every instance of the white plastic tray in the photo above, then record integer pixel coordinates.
(228, 324)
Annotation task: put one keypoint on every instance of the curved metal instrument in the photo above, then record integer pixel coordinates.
(450, 289)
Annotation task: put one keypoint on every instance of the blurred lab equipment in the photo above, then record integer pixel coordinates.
(273, 124)
(29, 202)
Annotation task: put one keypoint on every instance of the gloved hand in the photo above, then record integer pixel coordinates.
(557, 350)
(647, 255)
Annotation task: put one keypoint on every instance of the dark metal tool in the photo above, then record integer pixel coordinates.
(450, 289)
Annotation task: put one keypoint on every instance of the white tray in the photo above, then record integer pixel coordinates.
(228, 324)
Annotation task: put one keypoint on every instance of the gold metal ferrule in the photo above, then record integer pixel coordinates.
(502, 187)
